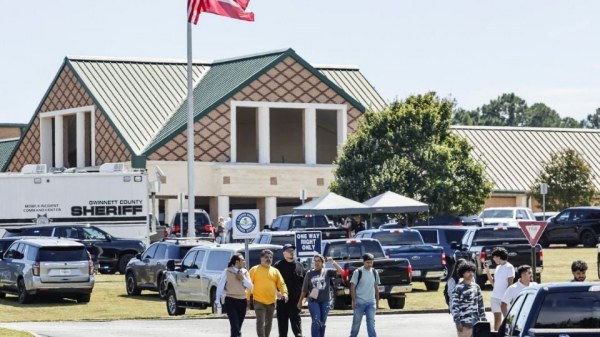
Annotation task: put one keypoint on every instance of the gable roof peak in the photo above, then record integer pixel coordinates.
(152, 60)
(254, 55)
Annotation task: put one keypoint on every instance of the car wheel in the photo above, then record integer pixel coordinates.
(83, 298)
(162, 287)
(122, 265)
(338, 303)
(172, 308)
(396, 302)
(598, 274)
(543, 241)
(432, 285)
(3, 295)
(572, 244)
(588, 239)
(23, 296)
(131, 285)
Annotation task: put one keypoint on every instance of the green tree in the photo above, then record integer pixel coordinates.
(569, 179)
(409, 149)
(569, 122)
(541, 115)
(506, 110)
(465, 117)
(592, 121)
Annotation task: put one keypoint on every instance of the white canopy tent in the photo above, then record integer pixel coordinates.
(390, 202)
(332, 204)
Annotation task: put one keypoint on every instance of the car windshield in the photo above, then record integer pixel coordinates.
(398, 238)
(497, 213)
(354, 250)
(574, 310)
(282, 239)
(309, 222)
(177, 252)
(499, 233)
(54, 254)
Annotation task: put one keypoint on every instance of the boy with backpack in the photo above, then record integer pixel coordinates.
(365, 296)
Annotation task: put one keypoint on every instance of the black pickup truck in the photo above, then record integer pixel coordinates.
(550, 310)
(309, 222)
(394, 274)
(479, 242)
(428, 262)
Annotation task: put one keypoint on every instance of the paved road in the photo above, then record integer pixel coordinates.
(422, 325)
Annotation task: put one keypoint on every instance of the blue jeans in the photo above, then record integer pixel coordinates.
(369, 310)
(318, 314)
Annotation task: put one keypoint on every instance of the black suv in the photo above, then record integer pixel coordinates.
(110, 254)
(146, 270)
(443, 236)
(202, 224)
(573, 226)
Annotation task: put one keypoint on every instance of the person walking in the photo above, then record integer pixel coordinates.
(316, 287)
(578, 268)
(502, 279)
(525, 277)
(467, 308)
(234, 282)
(357, 225)
(228, 229)
(452, 282)
(293, 276)
(364, 292)
(266, 281)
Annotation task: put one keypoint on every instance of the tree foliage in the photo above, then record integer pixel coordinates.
(592, 121)
(506, 110)
(569, 180)
(541, 115)
(408, 149)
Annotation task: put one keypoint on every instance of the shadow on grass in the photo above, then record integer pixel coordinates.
(40, 301)
(153, 297)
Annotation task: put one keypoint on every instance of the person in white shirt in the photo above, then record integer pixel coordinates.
(234, 283)
(525, 277)
(504, 276)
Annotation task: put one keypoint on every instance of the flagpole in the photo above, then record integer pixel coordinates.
(191, 230)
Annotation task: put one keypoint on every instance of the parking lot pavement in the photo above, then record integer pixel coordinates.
(422, 325)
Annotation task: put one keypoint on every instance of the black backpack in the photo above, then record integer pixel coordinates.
(360, 275)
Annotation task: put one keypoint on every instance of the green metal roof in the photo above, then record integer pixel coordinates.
(513, 156)
(6, 149)
(145, 99)
(138, 96)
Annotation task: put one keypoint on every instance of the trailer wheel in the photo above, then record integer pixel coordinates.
(432, 285)
(396, 302)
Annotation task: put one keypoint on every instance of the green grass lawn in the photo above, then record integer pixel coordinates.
(110, 301)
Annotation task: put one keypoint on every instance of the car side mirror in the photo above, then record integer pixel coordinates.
(139, 257)
(171, 265)
(267, 227)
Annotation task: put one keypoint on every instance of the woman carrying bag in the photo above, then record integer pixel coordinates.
(316, 289)
(233, 284)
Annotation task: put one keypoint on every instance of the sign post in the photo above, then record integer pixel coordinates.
(533, 231)
(245, 226)
(308, 243)
(543, 192)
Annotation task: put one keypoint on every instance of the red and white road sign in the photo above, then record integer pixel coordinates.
(533, 230)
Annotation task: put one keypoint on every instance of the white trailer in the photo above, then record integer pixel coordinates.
(111, 198)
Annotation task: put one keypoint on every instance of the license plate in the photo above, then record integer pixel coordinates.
(416, 273)
(381, 288)
(65, 271)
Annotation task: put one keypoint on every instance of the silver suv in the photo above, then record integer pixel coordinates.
(39, 266)
(193, 284)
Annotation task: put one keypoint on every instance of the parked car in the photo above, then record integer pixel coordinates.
(428, 262)
(445, 237)
(109, 253)
(32, 267)
(395, 274)
(393, 225)
(146, 271)
(541, 216)
(573, 226)
(309, 222)
(193, 284)
(276, 238)
(505, 215)
(450, 220)
(479, 242)
(550, 310)
(202, 224)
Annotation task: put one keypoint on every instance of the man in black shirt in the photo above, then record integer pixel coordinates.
(293, 275)
(357, 224)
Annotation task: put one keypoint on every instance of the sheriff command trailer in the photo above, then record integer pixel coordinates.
(111, 198)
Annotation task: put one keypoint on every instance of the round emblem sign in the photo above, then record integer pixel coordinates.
(246, 222)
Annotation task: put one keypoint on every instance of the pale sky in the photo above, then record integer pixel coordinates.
(473, 51)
